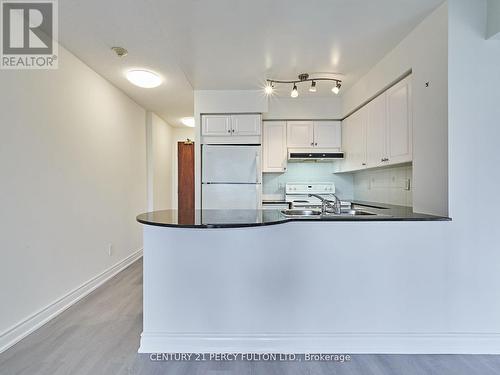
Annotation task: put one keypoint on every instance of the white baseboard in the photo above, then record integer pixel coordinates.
(352, 343)
(22, 329)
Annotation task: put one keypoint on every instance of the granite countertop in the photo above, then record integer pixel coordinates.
(252, 218)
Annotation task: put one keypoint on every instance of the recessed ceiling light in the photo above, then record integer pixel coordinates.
(144, 78)
(188, 121)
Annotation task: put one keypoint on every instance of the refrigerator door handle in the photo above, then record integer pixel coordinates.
(257, 167)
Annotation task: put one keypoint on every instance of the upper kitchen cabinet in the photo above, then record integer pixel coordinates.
(320, 134)
(245, 124)
(399, 130)
(382, 128)
(231, 129)
(354, 141)
(216, 125)
(376, 112)
(300, 134)
(274, 146)
(327, 134)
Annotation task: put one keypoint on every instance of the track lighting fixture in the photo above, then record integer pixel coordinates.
(269, 88)
(304, 77)
(336, 88)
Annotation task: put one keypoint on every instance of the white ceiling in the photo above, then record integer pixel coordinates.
(232, 44)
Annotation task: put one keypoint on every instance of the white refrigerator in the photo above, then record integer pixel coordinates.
(231, 177)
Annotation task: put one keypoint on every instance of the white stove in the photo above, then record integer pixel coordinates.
(298, 193)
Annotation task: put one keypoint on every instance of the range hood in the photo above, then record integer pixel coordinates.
(314, 154)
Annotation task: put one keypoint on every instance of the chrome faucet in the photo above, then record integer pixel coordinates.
(325, 202)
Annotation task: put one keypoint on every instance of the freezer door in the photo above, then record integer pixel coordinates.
(231, 196)
(235, 164)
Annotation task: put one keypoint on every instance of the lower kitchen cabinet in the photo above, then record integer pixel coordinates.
(274, 146)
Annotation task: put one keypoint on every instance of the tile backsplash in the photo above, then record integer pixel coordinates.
(387, 185)
(274, 183)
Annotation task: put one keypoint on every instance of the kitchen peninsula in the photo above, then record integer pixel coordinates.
(228, 280)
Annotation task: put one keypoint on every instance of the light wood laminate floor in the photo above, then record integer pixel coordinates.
(100, 335)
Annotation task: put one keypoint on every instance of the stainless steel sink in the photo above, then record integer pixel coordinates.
(359, 213)
(295, 213)
(351, 213)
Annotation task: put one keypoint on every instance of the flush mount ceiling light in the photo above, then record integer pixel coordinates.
(188, 121)
(304, 77)
(144, 78)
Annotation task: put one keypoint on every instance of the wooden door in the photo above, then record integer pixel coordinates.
(185, 182)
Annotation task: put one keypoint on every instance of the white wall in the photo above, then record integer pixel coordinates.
(73, 179)
(160, 173)
(474, 134)
(304, 108)
(424, 51)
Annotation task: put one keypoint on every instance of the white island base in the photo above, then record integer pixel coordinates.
(302, 287)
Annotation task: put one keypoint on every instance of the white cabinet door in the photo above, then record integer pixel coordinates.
(327, 134)
(354, 141)
(300, 134)
(399, 122)
(274, 146)
(245, 124)
(216, 125)
(376, 132)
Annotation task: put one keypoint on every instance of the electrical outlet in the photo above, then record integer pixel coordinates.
(110, 249)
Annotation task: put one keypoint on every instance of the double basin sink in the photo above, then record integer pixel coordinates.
(317, 213)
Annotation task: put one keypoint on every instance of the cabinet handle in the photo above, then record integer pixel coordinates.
(384, 159)
(229, 131)
(363, 163)
(315, 144)
(232, 130)
(312, 143)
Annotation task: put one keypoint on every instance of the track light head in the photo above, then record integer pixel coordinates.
(269, 88)
(294, 92)
(336, 88)
(313, 87)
